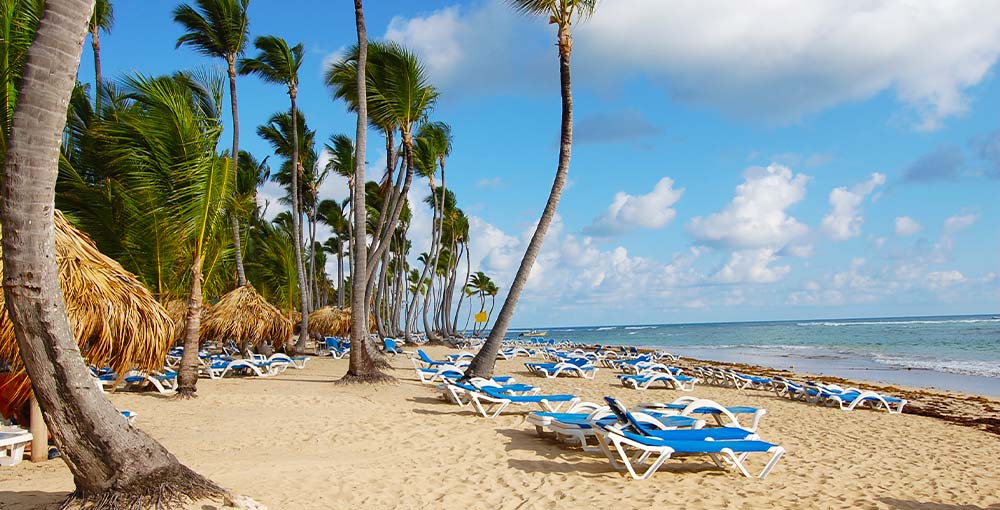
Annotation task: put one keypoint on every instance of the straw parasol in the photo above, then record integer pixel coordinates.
(118, 323)
(333, 321)
(244, 316)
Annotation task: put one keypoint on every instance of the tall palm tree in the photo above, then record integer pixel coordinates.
(168, 146)
(362, 366)
(561, 13)
(332, 214)
(219, 28)
(102, 20)
(18, 25)
(399, 98)
(110, 461)
(278, 63)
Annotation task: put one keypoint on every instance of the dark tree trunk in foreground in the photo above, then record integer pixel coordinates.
(241, 275)
(485, 361)
(114, 465)
(362, 366)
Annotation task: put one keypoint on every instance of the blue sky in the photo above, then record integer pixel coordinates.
(783, 161)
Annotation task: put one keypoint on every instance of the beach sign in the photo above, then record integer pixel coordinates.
(481, 317)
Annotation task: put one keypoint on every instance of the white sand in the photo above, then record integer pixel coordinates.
(297, 441)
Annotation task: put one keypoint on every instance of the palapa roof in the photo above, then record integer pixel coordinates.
(118, 323)
(333, 321)
(244, 315)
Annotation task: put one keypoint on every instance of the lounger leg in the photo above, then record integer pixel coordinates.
(778, 452)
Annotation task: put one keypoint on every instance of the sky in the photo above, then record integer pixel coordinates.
(732, 161)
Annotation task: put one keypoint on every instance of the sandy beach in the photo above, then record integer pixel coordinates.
(296, 441)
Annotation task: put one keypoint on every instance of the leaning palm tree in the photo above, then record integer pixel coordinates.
(561, 13)
(218, 28)
(278, 63)
(101, 21)
(113, 465)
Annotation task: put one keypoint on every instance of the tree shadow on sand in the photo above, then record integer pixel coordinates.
(16, 500)
(907, 504)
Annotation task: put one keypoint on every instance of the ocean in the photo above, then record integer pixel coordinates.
(952, 352)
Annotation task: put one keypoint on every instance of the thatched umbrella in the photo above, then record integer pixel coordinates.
(333, 321)
(118, 323)
(244, 316)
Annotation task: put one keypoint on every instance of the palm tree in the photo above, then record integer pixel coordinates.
(362, 366)
(167, 146)
(562, 14)
(109, 460)
(399, 97)
(18, 23)
(332, 214)
(218, 28)
(102, 20)
(278, 63)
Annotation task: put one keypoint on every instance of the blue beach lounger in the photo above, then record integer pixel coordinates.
(487, 399)
(723, 445)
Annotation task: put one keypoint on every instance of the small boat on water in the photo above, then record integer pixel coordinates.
(534, 333)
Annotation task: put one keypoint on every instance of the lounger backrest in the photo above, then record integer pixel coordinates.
(625, 417)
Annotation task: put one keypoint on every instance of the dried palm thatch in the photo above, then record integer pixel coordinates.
(177, 310)
(118, 323)
(245, 316)
(333, 321)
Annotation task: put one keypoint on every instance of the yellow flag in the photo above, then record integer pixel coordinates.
(481, 317)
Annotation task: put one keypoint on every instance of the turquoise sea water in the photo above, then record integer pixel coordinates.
(952, 352)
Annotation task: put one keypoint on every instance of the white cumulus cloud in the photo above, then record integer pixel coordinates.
(629, 212)
(907, 226)
(757, 217)
(845, 220)
(751, 266)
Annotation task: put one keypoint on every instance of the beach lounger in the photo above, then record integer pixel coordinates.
(490, 402)
(164, 382)
(579, 367)
(296, 362)
(724, 416)
(453, 391)
(13, 440)
(391, 348)
(725, 446)
(578, 427)
(644, 380)
(430, 363)
(849, 399)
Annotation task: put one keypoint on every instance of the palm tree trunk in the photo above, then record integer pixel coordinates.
(461, 296)
(361, 367)
(300, 346)
(313, 283)
(241, 275)
(95, 44)
(187, 379)
(340, 274)
(109, 460)
(390, 226)
(484, 362)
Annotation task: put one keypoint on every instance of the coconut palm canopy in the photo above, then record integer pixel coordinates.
(118, 323)
(333, 321)
(245, 316)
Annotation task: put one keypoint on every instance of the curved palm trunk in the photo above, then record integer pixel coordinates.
(113, 464)
(362, 367)
(381, 243)
(461, 296)
(241, 275)
(187, 379)
(300, 345)
(484, 362)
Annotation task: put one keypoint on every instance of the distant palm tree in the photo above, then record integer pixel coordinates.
(102, 20)
(562, 14)
(332, 214)
(278, 63)
(218, 28)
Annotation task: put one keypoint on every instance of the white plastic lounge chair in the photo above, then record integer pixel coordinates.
(645, 379)
(297, 362)
(725, 446)
(579, 367)
(457, 393)
(849, 399)
(164, 382)
(724, 416)
(12, 443)
(490, 399)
